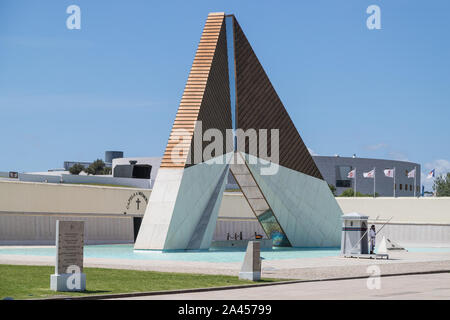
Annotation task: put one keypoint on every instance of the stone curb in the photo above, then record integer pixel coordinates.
(180, 291)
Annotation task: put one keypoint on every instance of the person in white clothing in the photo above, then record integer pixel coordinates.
(372, 235)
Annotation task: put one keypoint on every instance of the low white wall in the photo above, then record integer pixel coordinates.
(28, 211)
(40, 230)
(130, 182)
(4, 174)
(415, 235)
(39, 178)
(413, 222)
(99, 179)
(427, 210)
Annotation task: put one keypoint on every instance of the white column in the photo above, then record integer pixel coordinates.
(374, 177)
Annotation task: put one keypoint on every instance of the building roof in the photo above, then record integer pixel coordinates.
(354, 216)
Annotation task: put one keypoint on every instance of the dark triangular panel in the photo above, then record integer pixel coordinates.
(259, 107)
(215, 109)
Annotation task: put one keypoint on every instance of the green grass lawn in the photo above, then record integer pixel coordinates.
(28, 282)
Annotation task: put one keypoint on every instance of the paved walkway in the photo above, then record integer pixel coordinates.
(431, 286)
(302, 268)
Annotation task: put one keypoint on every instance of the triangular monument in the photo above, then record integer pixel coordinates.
(253, 137)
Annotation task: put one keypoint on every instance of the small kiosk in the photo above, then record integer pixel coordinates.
(355, 237)
(354, 234)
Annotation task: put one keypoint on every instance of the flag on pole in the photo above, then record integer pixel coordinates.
(370, 174)
(351, 174)
(412, 173)
(389, 173)
(431, 174)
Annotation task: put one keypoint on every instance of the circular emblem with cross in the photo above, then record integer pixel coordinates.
(137, 202)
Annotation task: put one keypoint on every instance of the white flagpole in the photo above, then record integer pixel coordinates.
(394, 182)
(374, 177)
(354, 186)
(415, 183)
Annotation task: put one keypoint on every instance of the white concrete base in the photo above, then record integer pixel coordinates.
(183, 207)
(253, 276)
(366, 256)
(68, 282)
(265, 243)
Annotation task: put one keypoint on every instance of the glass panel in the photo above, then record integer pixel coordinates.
(273, 230)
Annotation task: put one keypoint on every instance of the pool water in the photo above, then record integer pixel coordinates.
(126, 251)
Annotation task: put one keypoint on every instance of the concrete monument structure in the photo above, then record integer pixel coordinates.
(69, 274)
(279, 179)
(251, 267)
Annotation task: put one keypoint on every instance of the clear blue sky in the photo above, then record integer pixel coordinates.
(116, 83)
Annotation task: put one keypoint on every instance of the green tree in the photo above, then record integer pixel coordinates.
(76, 168)
(347, 193)
(96, 167)
(442, 186)
(333, 189)
(350, 193)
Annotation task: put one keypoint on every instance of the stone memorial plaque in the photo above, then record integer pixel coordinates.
(69, 245)
(69, 274)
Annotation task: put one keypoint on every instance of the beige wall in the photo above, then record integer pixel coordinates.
(428, 210)
(28, 212)
(46, 198)
(50, 198)
(402, 210)
(235, 206)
